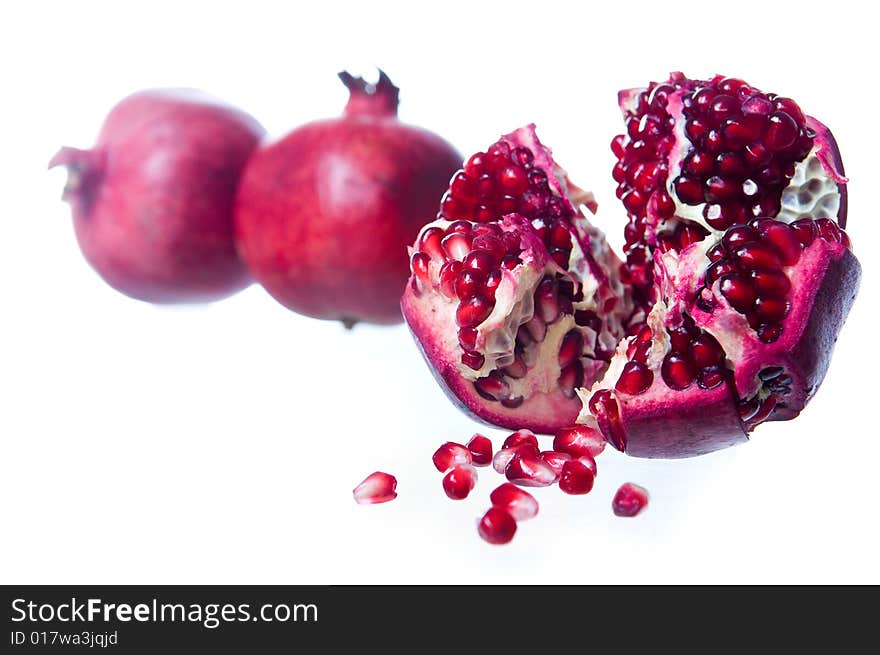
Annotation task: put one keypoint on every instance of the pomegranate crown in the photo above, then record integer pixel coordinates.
(379, 99)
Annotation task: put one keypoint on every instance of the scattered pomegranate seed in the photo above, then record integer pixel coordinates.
(450, 454)
(481, 450)
(576, 478)
(376, 488)
(579, 440)
(528, 470)
(629, 500)
(519, 503)
(497, 526)
(459, 481)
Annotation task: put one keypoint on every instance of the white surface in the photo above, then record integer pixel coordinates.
(220, 444)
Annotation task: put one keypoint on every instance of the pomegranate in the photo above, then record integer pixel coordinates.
(737, 280)
(515, 299)
(323, 214)
(152, 201)
(629, 500)
(451, 454)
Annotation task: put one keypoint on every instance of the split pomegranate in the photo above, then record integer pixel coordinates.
(629, 500)
(152, 201)
(515, 299)
(738, 278)
(323, 214)
(376, 488)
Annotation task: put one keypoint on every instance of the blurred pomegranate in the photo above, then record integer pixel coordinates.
(152, 200)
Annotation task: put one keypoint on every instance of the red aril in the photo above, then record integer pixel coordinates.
(459, 481)
(481, 450)
(519, 503)
(579, 440)
(629, 500)
(576, 478)
(529, 470)
(496, 526)
(376, 488)
(451, 454)
(555, 460)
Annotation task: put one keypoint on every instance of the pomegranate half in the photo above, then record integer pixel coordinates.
(738, 275)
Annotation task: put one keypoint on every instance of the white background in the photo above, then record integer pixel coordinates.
(220, 444)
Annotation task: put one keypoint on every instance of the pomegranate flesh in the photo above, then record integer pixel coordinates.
(323, 214)
(152, 200)
(738, 278)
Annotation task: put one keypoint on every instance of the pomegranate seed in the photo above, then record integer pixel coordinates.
(571, 378)
(448, 274)
(828, 230)
(784, 240)
(738, 291)
(806, 231)
(456, 245)
(629, 500)
(519, 503)
(603, 406)
(449, 455)
(769, 333)
(467, 338)
(589, 461)
(473, 360)
(771, 310)
(782, 131)
(468, 284)
(376, 488)
(635, 378)
(770, 283)
(737, 236)
(711, 377)
(473, 311)
(576, 478)
(555, 460)
(497, 526)
(706, 351)
(579, 440)
(571, 348)
(481, 261)
(547, 301)
(529, 470)
(430, 243)
(481, 450)
(520, 438)
(459, 481)
(677, 372)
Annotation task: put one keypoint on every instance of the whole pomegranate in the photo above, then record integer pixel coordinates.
(152, 200)
(737, 280)
(324, 213)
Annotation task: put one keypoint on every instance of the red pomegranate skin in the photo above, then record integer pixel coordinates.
(324, 214)
(152, 200)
